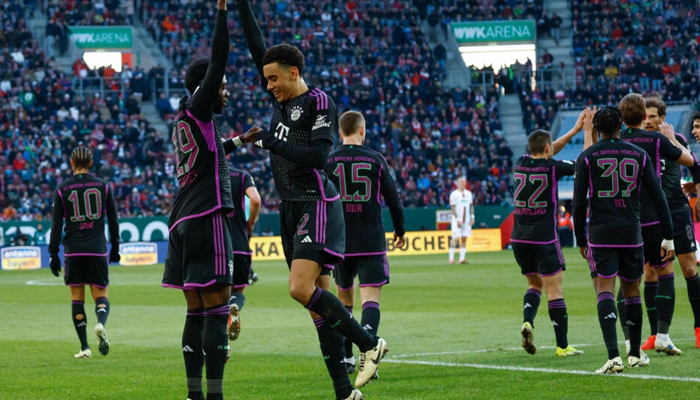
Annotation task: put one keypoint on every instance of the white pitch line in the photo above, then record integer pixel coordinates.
(478, 351)
(531, 369)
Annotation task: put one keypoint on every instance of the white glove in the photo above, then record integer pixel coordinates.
(667, 245)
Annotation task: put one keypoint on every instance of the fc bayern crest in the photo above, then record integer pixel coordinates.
(296, 113)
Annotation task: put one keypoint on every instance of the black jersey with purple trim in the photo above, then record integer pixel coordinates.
(83, 201)
(300, 121)
(362, 177)
(535, 199)
(202, 170)
(660, 151)
(240, 182)
(671, 183)
(611, 175)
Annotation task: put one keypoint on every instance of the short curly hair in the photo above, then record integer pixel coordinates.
(608, 121)
(286, 55)
(194, 75)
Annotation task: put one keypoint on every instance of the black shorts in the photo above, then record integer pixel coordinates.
(607, 262)
(543, 259)
(371, 271)
(86, 270)
(683, 232)
(199, 253)
(651, 234)
(241, 270)
(313, 230)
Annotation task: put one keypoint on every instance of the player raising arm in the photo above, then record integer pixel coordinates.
(303, 127)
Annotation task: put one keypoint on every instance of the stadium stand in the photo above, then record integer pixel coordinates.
(378, 61)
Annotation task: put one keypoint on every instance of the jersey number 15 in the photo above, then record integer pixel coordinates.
(364, 192)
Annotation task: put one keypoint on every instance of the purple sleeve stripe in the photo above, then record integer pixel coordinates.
(168, 285)
(202, 214)
(198, 285)
(85, 283)
(379, 253)
(245, 253)
(86, 255)
(650, 223)
(321, 99)
(633, 300)
(318, 322)
(658, 160)
(207, 129)
(379, 184)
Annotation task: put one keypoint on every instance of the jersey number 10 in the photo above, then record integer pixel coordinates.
(87, 210)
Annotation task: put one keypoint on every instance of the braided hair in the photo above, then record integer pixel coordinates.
(81, 157)
(607, 121)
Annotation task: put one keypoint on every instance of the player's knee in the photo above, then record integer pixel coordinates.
(300, 293)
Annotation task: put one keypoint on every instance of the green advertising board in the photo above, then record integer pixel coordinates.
(101, 37)
(494, 31)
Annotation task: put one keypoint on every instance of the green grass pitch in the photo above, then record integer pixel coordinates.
(453, 333)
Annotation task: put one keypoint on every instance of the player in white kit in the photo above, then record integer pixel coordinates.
(462, 205)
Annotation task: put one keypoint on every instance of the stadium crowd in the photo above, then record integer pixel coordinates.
(621, 47)
(428, 133)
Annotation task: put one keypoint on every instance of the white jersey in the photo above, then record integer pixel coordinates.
(463, 203)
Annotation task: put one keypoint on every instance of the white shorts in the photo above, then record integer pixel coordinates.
(464, 231)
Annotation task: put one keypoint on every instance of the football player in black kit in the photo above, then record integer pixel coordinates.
(362, 176)
(242, 186)
(83, 201)
(303, 127)
(610, 176)
(665, 154)
(199, 259)
(536, 245)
